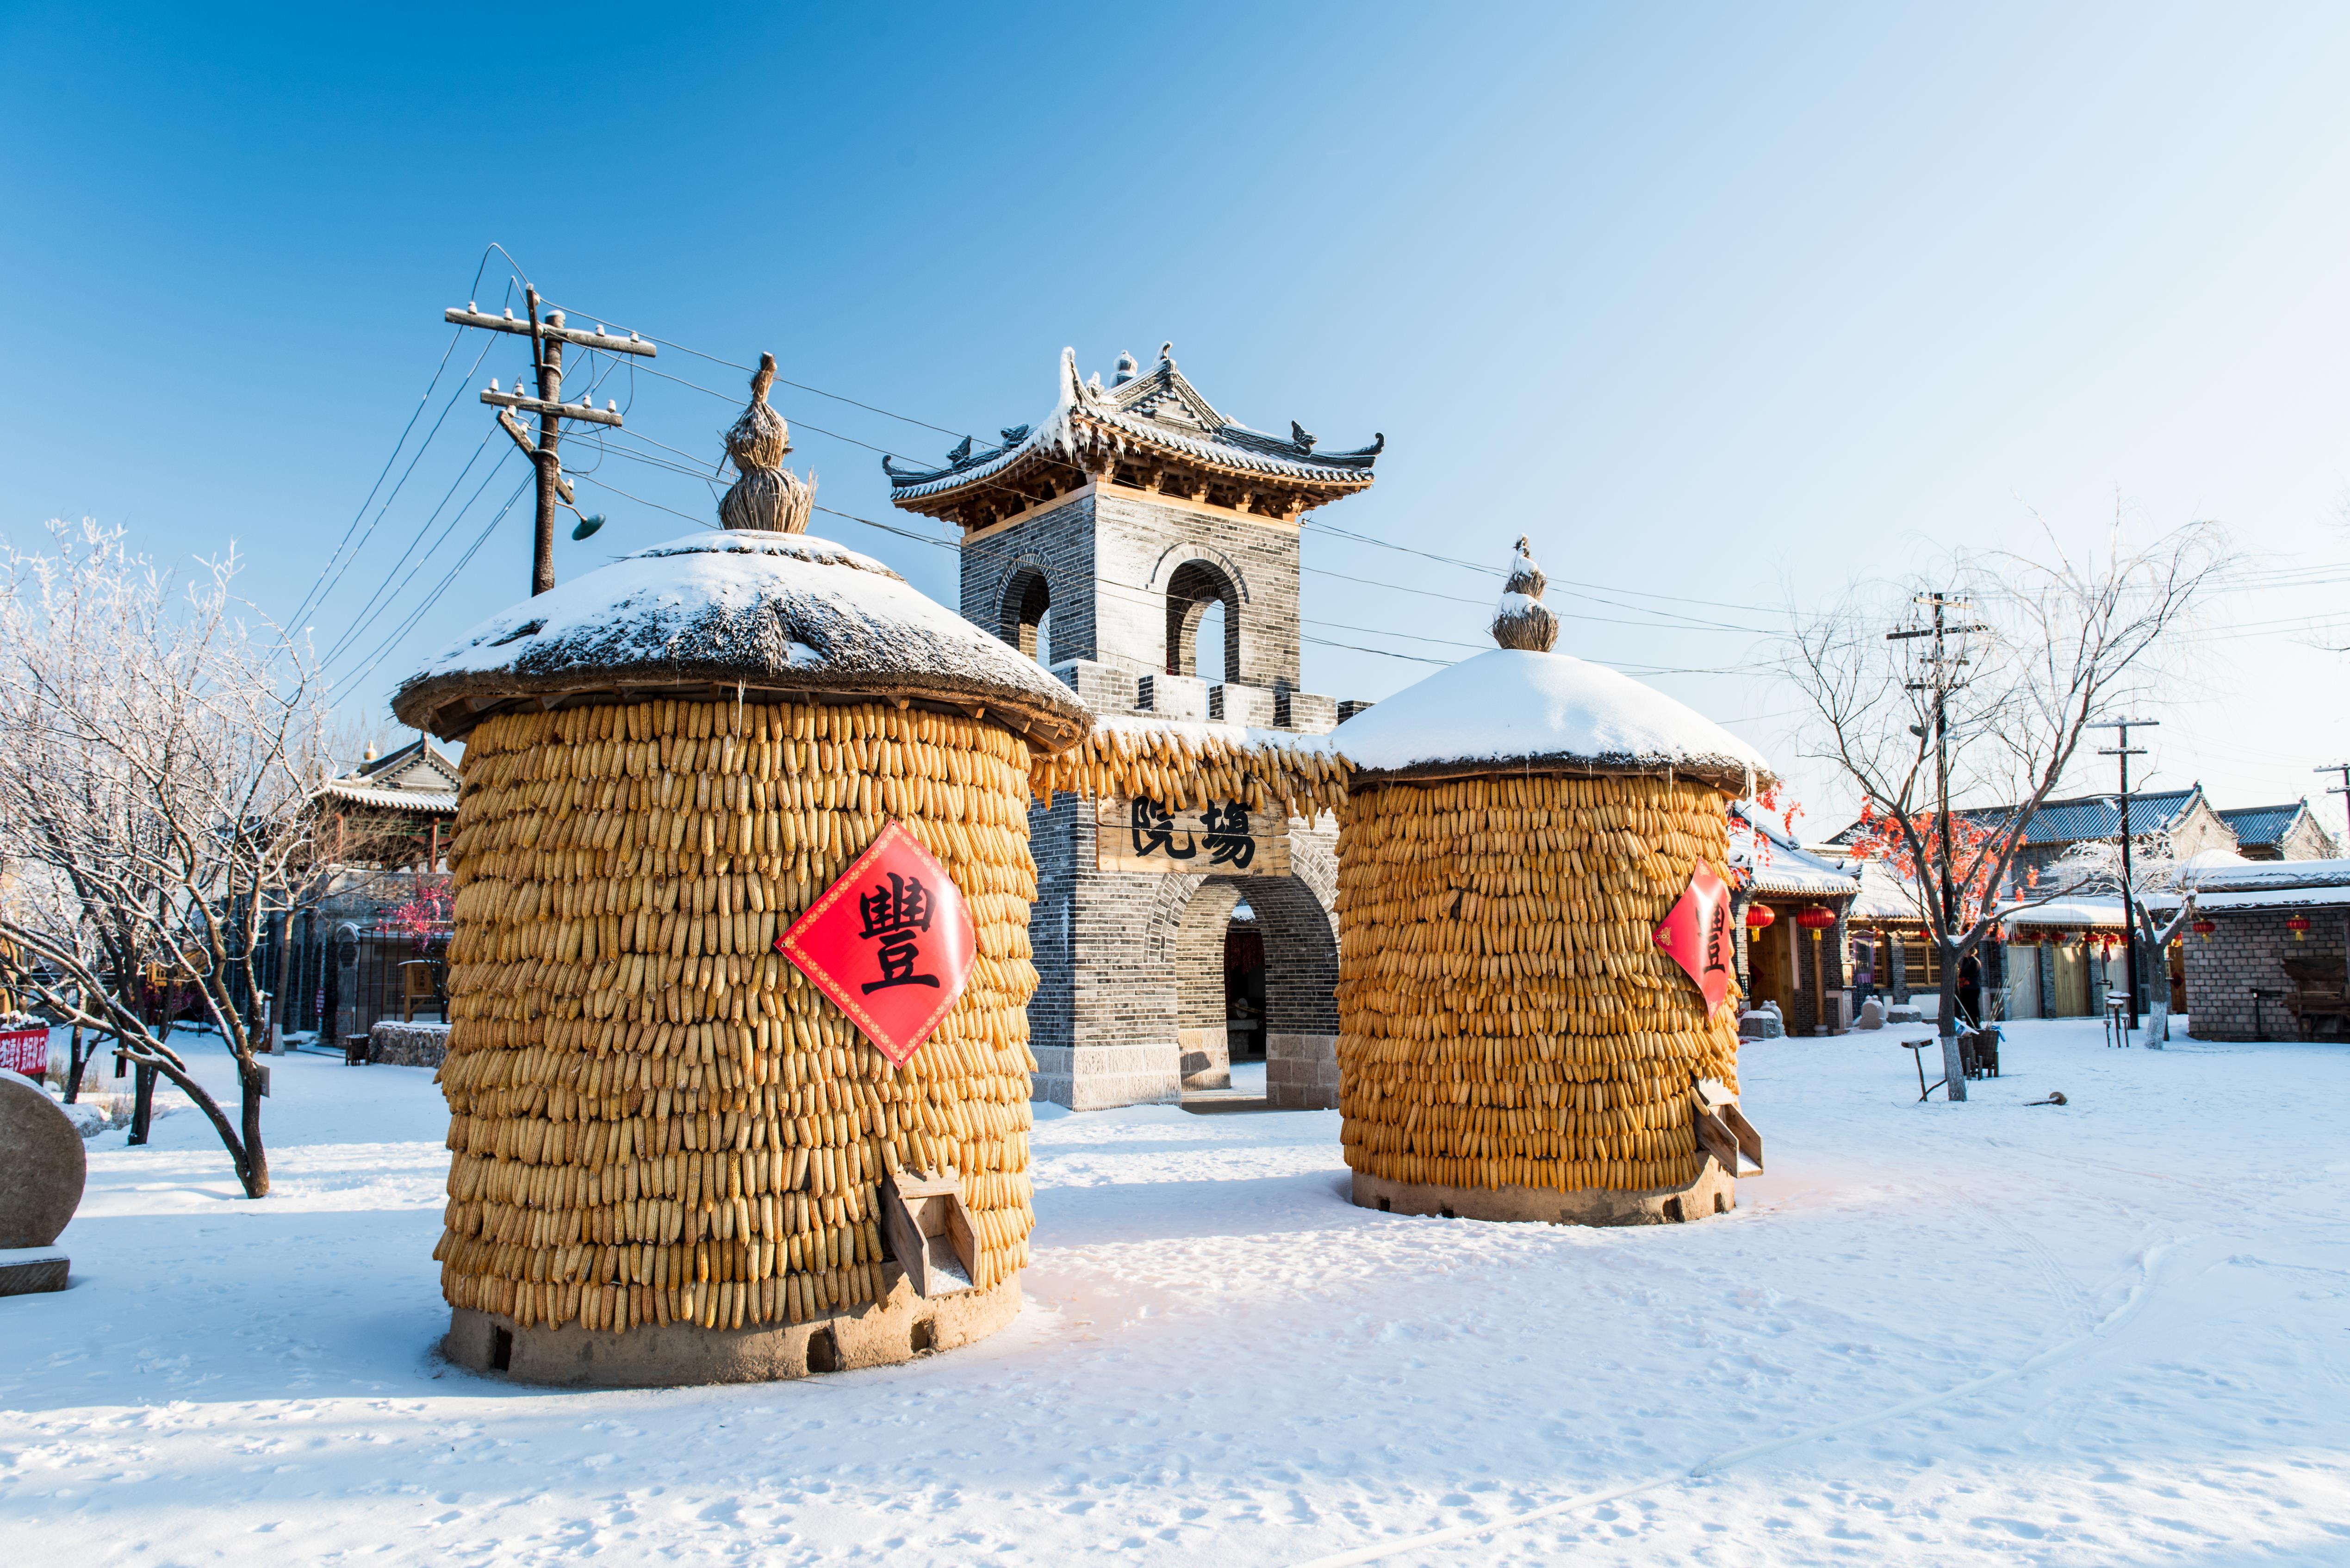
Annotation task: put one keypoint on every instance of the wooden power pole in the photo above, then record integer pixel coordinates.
(547, 338)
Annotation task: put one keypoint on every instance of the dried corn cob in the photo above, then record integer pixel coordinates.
(652, 1117)
(1505, 1016)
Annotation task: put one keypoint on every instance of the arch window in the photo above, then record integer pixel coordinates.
(1027, 615)
(1195, 586)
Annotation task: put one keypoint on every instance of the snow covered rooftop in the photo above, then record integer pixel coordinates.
(769, 610)
(1154, 419)
(2259, 884)
(1514, 707)
(2062, 912)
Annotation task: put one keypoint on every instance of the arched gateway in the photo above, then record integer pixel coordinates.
(1130, 510)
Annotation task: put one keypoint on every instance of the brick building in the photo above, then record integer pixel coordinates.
(1103, 540)
(2246, 975)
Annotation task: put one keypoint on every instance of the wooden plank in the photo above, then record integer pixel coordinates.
(1718, 1139)
(930, 1231)
(1750, 1142)
(1221, 839)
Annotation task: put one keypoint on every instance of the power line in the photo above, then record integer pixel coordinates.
(401, 630)
(331, 574)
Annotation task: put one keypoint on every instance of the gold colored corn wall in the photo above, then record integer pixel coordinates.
(654, 1117)
(1504, 1015)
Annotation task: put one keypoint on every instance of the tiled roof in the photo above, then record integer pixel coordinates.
(2262, 823)
(2099, 816)
(431, 802)
(1158, 408)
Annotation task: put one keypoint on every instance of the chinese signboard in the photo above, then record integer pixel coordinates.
(890, 942)
(25, 1051)
(1696, 935)
(1222, 838)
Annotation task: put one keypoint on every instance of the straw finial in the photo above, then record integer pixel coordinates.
(769, 498)
(1520, 619)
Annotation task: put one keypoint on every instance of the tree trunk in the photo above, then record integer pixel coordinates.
(1954, 1072)
(254, 1168)
(73, 1066)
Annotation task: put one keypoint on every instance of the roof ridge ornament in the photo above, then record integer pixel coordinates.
(768, 498)
(1521, 620)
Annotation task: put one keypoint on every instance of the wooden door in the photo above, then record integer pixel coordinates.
(2071, 980)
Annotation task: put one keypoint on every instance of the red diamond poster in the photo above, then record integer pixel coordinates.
(891, 941)
(1696, 935)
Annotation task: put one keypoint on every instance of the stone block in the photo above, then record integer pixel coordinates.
(392, 1044)
(32, 1271)
(1207, 1057)
(1307, 712)
(1301, 1072)
(1173, 696)
(1100, 687)
(1351, 706)
(1236, 705)
(1872, 1015)
(42, 1165)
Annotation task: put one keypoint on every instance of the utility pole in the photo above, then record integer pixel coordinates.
(2341, 789)
(547, 338)
(2124, 750)
(1943, 681)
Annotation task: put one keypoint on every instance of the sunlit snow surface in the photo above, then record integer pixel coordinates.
(1222, 1362)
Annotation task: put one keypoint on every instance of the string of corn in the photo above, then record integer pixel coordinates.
(1183, 768)
(653, 1117)
(1504, 1015)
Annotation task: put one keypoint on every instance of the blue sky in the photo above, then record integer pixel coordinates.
(1734, 304)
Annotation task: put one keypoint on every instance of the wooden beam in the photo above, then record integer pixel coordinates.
(608, 342)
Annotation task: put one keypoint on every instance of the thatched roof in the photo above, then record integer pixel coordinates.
(770, 612)
(1520, 711)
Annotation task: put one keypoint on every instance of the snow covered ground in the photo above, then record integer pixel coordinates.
(2117, 1332)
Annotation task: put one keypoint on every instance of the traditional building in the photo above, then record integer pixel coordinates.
(2289, 832)
(1098, 540)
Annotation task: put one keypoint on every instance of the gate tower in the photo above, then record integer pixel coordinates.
(1124, 515)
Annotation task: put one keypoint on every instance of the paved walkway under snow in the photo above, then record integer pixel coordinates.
(2117, 1331)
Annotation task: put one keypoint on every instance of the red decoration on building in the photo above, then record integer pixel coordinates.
(1696, 935)
(25, 1050)
(891, 941)
(1758, 915)
(2299, 926)
(2205, 928)
(1815, 919)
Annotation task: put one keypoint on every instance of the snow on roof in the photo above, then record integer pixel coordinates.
(1203, 730)
(1778, 864)
(1884, 896)
(1131, 409)
(2062, 912)
(773, 610)
(1513, 705)
(2258, 884)
(430, 801)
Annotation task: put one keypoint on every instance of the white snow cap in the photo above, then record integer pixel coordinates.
(770, 609)
(1513, 705)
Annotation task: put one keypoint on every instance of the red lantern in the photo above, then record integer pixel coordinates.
(1758, 915)
(2298, 925)
(1815, 919)
(2205, 928)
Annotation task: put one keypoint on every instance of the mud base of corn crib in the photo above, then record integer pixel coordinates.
(897, 1328)
(1713, 1192)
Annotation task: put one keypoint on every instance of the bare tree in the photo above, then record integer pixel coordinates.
(158, 752)
(2095, 867)
(1994, 710)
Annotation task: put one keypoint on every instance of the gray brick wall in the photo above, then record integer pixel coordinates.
(1127, 961)
(2248, 948)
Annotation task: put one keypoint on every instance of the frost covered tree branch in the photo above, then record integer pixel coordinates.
(2067, 643)
(159, 750)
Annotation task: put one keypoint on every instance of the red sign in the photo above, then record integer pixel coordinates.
(25, 1051)
(891, 943)
(1696, 935)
